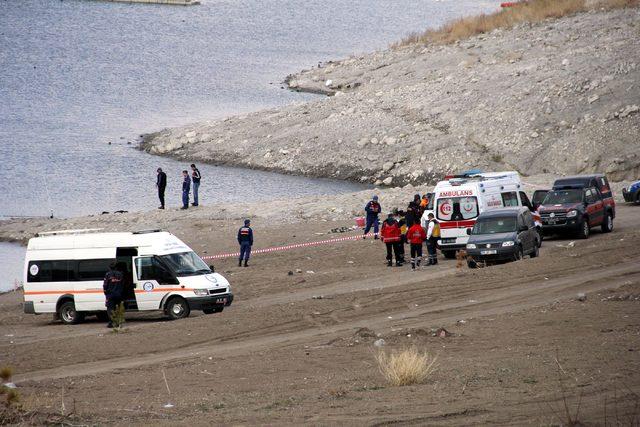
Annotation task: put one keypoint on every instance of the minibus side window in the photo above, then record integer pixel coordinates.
(149, 268)
(39, 271)
(51, 271)
(93, 269)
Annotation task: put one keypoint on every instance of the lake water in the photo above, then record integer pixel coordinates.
(76, 75)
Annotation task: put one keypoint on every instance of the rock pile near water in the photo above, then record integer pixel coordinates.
(561, 96)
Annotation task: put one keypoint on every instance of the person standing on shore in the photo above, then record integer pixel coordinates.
(372, 209)
(195, 176)
(113, 287)
(161, 184)
(390, 235)
(416, 237)
(245, 239)
(433, 234)
(186, 186)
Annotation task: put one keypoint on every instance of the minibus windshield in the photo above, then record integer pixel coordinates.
(185, 264)
(495, 225)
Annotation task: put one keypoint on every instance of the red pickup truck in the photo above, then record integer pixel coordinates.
(576, 204)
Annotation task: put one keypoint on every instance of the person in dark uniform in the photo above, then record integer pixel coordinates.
(161, 184)
(245, 239)
(372, 209)
(113, 287)
(186, 186)
(195, 176)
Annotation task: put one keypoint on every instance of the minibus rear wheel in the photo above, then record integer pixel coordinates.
(68, 314)
(177, 308)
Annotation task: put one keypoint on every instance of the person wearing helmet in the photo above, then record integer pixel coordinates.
(372, 209)
(245, 239)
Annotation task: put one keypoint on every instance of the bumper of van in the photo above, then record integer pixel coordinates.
(29, 307)
(569, 226)
(211, 301)
(502, 254)
(628, 195)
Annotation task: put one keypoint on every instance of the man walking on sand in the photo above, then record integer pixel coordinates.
(245, 239)
(186, 186)
(161, 184)
(112, 286)
(195, 176)
(372, 209)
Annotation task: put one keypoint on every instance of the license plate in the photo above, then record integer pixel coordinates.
(489, 252)
(449, 240)
(221, 301)
(551, 221)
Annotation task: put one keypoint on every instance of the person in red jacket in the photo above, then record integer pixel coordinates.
(416, 237)
(391, 236)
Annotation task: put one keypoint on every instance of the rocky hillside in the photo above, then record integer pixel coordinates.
(561, 96)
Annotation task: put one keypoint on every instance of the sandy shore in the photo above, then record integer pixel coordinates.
(560, 96)
(299, 348)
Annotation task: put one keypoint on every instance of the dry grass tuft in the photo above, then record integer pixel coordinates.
(530, 11)
(5, 373)
(405, 367)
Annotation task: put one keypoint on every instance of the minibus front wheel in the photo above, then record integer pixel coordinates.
(68, 314)
(177, 308)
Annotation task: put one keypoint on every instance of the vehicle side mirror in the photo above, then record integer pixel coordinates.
(213, 269)
(469, 231)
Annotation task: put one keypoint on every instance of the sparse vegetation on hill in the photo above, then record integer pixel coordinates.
(530, 11)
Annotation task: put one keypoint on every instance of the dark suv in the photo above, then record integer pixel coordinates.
(503, 235)
(576, 204)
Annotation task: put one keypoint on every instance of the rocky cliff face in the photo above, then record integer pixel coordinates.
(558, 97)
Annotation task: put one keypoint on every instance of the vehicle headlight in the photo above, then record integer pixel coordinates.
(508, 243)
(471, 245)
(201, 292)
(572, 213)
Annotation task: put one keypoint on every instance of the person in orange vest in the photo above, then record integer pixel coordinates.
(416, 237)
(433, 234)
(390, 234)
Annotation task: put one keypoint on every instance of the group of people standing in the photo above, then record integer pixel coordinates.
(187, 179)
(401, 227)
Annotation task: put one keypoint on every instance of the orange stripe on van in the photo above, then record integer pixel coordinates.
(96, 291)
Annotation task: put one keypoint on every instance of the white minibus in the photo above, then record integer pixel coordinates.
(64, 272)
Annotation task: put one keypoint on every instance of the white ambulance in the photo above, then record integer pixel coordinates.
(459, 199)
(64, 272)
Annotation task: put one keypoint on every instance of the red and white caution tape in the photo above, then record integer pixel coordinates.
(289, 247)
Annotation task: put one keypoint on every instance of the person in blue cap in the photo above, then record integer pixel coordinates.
(245, 239)
(373, 210)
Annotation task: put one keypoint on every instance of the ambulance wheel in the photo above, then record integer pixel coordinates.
(68, 314)
(449, 254)
(211, 310)
(177, 308)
